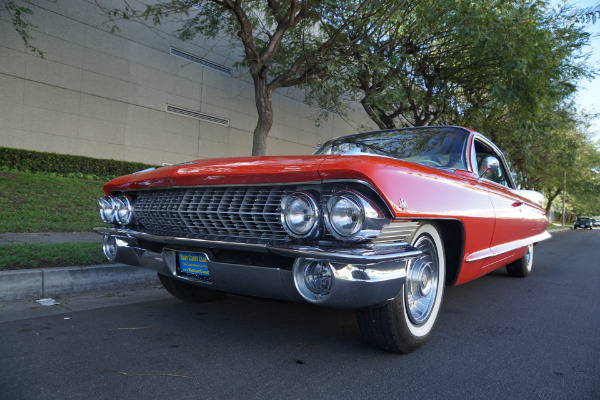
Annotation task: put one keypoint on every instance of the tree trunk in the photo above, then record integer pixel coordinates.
(375, 115)
(551, 199)
(264, 107)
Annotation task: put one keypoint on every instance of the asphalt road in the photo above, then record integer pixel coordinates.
(497, 338)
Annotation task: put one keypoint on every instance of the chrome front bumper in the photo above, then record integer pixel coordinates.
(363, 275)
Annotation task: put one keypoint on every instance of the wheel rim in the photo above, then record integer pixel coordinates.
(422, 282)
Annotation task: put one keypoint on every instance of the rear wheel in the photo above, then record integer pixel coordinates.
(188, 292)
(406, 322)
(522, 267)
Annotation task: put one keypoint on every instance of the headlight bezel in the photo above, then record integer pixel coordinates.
(358, 215)
(369, 216)
(315, 228)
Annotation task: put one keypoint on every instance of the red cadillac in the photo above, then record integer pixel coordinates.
(378, 222)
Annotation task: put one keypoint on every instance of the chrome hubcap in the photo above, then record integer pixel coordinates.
(422, 282)
(425, 287)
(528, 256)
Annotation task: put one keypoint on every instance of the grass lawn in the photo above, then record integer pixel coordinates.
(44, 203)
(558, 225)
(48, 203)
(23, 256)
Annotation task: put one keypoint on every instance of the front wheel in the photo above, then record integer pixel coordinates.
(522, 267)
(188, 292)
(406, 322)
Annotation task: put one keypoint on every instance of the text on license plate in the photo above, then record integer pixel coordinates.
(193, 263)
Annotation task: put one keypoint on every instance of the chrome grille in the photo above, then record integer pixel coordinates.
(214, 211)
(249, 214)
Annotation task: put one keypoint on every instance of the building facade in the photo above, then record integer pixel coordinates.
(140, 94)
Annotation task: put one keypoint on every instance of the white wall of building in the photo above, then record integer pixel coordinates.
(105, 95)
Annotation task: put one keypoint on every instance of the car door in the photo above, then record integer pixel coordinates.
(516, 217)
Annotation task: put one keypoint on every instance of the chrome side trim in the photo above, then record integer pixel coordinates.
(506, 247)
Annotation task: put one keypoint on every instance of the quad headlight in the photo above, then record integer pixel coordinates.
(107, 209)
(116, 209)
(345, 215)
(300, 215)
(348, 215)
(123, 209)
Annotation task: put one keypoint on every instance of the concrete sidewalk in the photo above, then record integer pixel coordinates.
(48, 282)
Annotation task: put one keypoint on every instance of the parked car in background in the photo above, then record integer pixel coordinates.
(378, 222)
(595, 222)
(582, 222)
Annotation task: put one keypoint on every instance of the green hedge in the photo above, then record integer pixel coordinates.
(35, 161)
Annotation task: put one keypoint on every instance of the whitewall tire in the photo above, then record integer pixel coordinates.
(406, 322)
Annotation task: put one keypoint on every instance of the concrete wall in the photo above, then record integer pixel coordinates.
(105, 95)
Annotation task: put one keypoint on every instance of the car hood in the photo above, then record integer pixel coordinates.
(271, 170)
(224, 171)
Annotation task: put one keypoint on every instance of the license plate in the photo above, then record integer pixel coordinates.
(194, 264)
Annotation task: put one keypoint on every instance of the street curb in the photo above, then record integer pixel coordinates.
(48, 282)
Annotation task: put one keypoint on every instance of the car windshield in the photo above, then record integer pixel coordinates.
(432, 146)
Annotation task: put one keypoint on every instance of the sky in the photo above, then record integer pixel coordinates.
(588, 96)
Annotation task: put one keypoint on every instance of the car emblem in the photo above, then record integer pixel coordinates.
(402, 204)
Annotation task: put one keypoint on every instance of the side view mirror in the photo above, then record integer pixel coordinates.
(490, 165)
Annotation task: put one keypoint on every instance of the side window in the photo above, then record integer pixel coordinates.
(489, 164)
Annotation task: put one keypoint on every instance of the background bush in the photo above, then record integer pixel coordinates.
(35, 161)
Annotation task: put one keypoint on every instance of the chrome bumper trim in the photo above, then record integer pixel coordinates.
(358, 255)
(363, 276)
(332, 252)
(239, 244)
